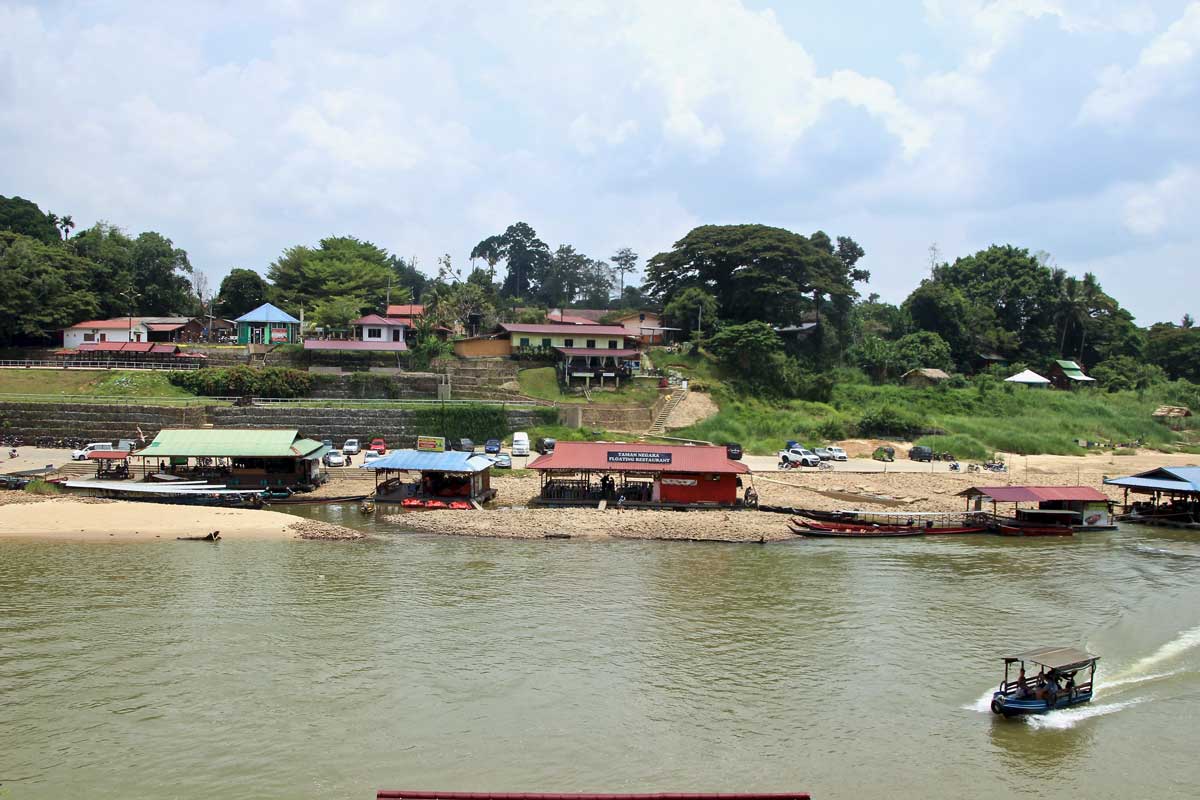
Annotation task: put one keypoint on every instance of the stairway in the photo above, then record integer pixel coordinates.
(660, 421)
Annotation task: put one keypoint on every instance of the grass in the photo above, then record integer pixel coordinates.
(542, 383)
(40, 486)
(969, 423)
(96, 383)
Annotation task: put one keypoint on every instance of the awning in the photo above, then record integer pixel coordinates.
(1176, 480)
(108, 455)
(588, 352)
(1035, 494)
(1060, 658)
(424, 461)
(637, 457)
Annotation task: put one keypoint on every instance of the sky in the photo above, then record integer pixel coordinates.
(241, 129)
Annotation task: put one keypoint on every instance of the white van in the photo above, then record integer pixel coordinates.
(520, 445)
(82, 454)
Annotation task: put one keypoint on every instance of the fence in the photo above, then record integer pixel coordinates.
(277, 402)
(181, 364)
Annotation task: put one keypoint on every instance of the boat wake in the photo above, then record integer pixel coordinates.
(1188, 640)
(1070, 717)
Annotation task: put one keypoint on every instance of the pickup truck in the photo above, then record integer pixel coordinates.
(798, 457)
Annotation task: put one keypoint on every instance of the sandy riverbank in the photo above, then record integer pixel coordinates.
(26, 516)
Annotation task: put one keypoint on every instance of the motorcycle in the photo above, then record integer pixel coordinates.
(954, 467)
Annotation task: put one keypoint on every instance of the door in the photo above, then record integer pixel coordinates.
(395, 334)
(256, 334)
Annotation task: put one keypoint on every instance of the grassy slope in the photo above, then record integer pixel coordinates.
(541, 382)
(97, 383)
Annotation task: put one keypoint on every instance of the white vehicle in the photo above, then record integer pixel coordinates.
(350, 447)
(80, 455)
(371, 455)
(335, 459)
(798, 457)
(838, 454)
(520, 445)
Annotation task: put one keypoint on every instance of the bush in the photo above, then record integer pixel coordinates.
(242, 380)
(888, 420)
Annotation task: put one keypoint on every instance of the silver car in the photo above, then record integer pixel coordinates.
(350, 447)
(335, 459)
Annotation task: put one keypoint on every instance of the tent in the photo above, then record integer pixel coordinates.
(1029, 378)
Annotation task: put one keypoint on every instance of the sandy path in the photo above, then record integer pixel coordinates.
(74, 518)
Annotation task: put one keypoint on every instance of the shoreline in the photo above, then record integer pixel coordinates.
(70, 518)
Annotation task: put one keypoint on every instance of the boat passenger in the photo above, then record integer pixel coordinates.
(1024, 690)
(1050, 694)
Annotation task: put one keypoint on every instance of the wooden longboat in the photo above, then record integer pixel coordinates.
(1034, 530)
(852, 533)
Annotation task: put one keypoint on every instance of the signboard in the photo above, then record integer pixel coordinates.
(279, 334)
(431, 444)
(679, 481)
(633, 457)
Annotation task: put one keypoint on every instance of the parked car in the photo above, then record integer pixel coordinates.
(127, 444)
(350, 447)
(378, 445)
(13, 482)
(733, 451)
(502, 461)
(327, 442)
(546, 445)
(798, 457)
(838, 454)
(520, 445)
(884, 454)
(82, 453)
(824, 454)
(491, 446)
(335, 459)
(921, 453)
(463, 445)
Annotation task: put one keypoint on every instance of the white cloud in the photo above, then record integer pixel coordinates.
(589, 136)
(1160, 66)
(1151, 208)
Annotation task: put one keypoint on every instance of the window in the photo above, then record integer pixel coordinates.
(374, 333)
(396, 334)
(545, 342)
(104, 337)
(89, 337)
(568, 342)
(591, 343)
(524, 341)
(612, 344)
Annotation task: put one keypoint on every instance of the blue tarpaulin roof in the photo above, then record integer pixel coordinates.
(267, 313)
(420, 461)
(1180, 480)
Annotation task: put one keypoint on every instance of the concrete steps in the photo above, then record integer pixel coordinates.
(659, 426)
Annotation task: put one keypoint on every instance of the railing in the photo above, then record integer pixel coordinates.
(294, 402)
(76, 363)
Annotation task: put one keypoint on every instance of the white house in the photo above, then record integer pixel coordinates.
(105, 330)
(374, 328)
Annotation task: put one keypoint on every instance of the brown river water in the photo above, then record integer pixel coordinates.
(848, 669)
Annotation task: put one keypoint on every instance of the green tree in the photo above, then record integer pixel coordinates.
(692, 309)
(562, 276)
(336, 312)
(922, 350)
(43, 288)
(159, 271)
(875, 356)
(491, 250)
(23, 216)
(341, 266)
(625, 261)
(526, 258)
(241, 290)
(1176, 349)
(1122, 373)
(595, 288)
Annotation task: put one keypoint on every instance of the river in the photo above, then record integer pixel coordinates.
(848, 669)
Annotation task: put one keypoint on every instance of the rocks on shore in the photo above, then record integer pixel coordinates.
(326, 531)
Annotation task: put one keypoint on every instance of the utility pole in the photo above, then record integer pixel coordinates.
(130, 295)
(388, 301)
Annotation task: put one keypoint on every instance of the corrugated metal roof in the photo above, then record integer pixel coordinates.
(1027, 376)
(1035, 494)
(596, 351)
(354, 344)
(376, 319)
(267, 313)
(573, 331)
(638, 457)
(569, 319)
(229, 442)
(421, 461)
(406, 310)
(107, 324)
(1181, 480)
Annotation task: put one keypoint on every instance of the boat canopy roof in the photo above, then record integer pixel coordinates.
(1060, 658)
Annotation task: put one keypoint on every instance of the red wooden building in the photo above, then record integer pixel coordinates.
(639, 475)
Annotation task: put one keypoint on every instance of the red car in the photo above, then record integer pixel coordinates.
(378, 445)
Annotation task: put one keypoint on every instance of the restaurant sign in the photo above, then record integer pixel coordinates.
(279, 334)
(634, 457)
(431, 444)
(679, 481)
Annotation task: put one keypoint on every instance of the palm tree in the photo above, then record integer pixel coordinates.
(1094, 301)
(53, 219)
(66, 223)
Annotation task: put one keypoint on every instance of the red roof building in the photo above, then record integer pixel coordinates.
(561, 329)
(638, 474)
(406, 310)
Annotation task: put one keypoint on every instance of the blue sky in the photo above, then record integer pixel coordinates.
(1067, 126)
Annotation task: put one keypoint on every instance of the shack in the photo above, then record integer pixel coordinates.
(422, 479)
(1173, 496)
(267, 325)
(1081, 508)
(112, 464)
(924, 377)
(1067, 375)
(596, 364)
(236, 457)
(638, 475)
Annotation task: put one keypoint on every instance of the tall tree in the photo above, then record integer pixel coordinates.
(241, 290)
(341, 266)
(491, 250)
(526, 258)
(691, 310)
(151, 263)
(43, 289)
(23, 216)
(625, 262)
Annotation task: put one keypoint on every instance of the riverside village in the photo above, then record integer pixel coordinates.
(620, 402)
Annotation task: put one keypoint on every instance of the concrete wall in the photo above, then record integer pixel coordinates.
(95, 422)
(482, 348)
(610, 418)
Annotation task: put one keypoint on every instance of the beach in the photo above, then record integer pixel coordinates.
(40, 516)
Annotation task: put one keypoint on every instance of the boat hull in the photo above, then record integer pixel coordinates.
(1009, 706)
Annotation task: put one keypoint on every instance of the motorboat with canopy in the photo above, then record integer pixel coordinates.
(1055, 686)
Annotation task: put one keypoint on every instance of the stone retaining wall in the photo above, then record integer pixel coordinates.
(95, 422)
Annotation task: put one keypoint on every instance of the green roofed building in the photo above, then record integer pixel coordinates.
(237, 457)
(267, 325)
(1068, 375)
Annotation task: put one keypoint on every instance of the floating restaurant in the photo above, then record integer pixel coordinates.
(1077, 508)
(638, 475)
(1174, 496)
(235, 457)
(449, 479)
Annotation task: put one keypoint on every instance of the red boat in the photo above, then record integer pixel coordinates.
(865, 528)
(412, 502)
(460, 505)
(1035, 530)
(861, 533)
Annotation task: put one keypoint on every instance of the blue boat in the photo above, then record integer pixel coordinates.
(1058, 684)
